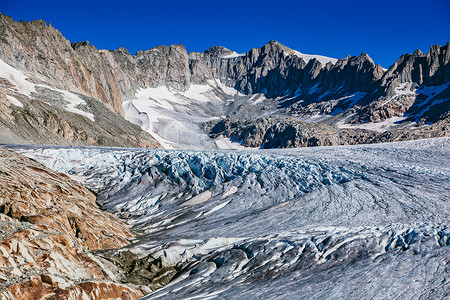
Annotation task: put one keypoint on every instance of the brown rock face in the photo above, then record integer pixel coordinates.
(47, 224)
(45, 287)
(34, 194)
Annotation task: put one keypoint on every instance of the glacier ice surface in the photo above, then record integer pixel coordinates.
(329, 222)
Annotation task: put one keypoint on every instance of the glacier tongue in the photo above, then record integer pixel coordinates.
(333, 222)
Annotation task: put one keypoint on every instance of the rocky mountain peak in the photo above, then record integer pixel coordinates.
(274, 46)
(81, 44)
(342, 61)
(366, 57)
(218, 51)
(123, 50)
(418, 53)
(36, 23)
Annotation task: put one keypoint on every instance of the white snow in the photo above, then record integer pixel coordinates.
(231, 191)
(430, 92)
(379, 126)
(353, 98)
(314, 89)
(24, 87)
(200, 198)
(323, 95)
(17, 78)
(173, 117)
(403, 89)
(224, 88)
(233, 55)
(307, 57)
(257, 98)
(226, 143)
(349, 100)
(74, 101)
(14, 101)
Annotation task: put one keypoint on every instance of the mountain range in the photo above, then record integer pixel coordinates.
(56, 92)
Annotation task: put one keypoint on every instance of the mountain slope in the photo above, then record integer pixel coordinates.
(48, 94)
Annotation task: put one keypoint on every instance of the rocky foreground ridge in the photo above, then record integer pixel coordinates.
(48, 226)
(353, 90)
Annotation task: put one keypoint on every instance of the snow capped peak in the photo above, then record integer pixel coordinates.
(307, 57)
(233, 55)
(222, 52)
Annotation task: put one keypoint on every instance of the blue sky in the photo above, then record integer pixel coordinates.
(383, 29)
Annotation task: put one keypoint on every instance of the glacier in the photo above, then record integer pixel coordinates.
(347, 222)
(174, 117)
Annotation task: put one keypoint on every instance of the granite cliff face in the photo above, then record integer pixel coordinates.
(277, 70)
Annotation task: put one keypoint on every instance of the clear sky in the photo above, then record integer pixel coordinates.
(335, 28)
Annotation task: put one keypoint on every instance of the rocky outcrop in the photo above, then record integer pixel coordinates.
(34, 194)
(47, 286)
(269, 133)
(38, 262)
(272, 132)
(430, 69)
(48, 224)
